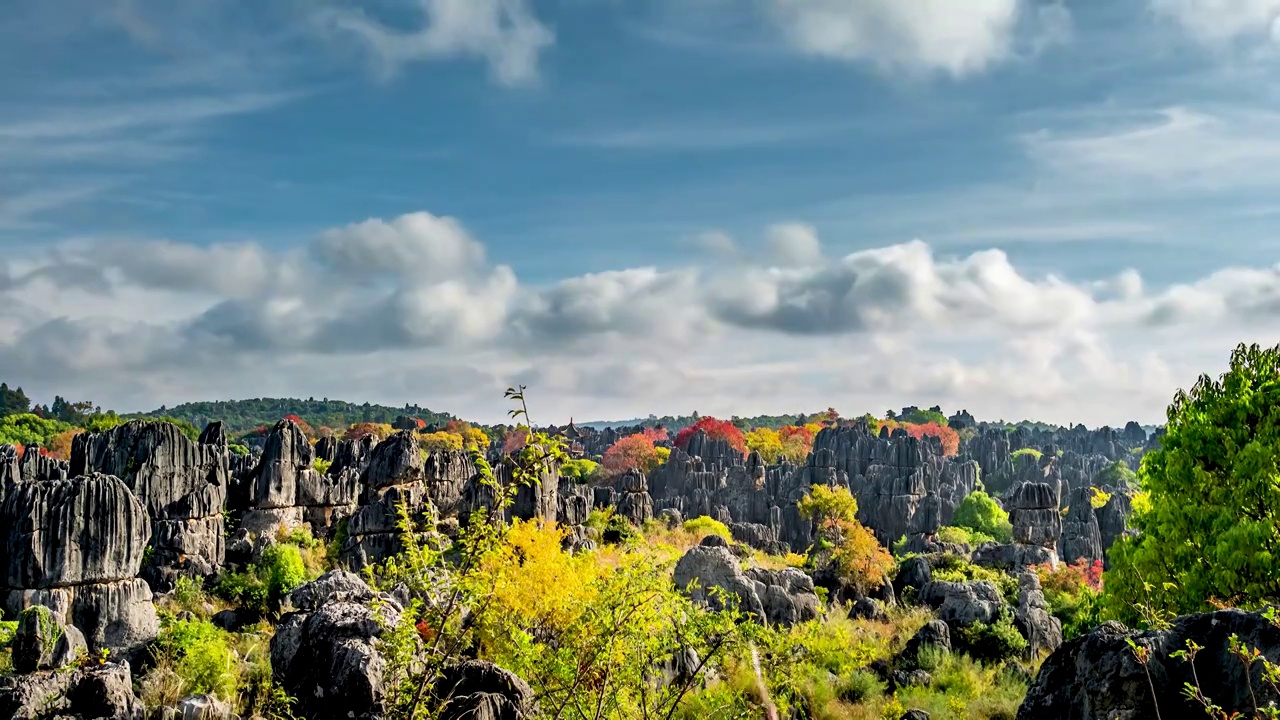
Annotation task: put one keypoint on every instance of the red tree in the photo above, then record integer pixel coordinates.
(655, 435)
(715, 429)
(949, 437)
(630, 453)
(306, 427)
(515, 440)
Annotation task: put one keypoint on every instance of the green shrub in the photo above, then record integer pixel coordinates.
(333, 550)
(1027, 451)
(618, 531)
(953, 568)
(580, 470)
(991, 642)
(281, 569)
(238, 449)
(980, 513)
(202, 657)
(8, 629)
(858, 686)
(963, 536)
(704, 526)
(243, 590)
(301, 537)
(321, 466)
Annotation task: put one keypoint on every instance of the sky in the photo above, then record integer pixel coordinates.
(1061, 211)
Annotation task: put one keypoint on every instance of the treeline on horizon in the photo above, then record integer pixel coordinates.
(24, 422)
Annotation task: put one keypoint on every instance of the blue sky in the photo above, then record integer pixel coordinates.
(180, 178)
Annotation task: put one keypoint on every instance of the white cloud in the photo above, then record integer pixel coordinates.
(954, 37)
(1221, 21)
(506, 33)
(794, 244)
(409, 309)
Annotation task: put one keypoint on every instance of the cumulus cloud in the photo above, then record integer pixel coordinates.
(794, 244)
(958, 38)
(506, 33)
(164, 321)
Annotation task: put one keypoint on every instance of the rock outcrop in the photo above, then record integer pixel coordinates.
(1097, 677)
(325, 653)
(285, 490)
(1081, 539)
(782, 597)
(394, 475)
(76, 547)
(182, 482)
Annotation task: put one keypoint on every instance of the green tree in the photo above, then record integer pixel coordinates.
(980, 513)
(1210, 531)
(13, 402)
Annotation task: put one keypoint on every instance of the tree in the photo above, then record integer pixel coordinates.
(381, 431)
(515, 440)
(716, 430)
(1117, 475)
(60, 444)
(1211, 530)
(633, 452)
(307, 430)
(858, 557)
(443, 441)
(797, 441)
(765, 441)
(13, 402)
(980, 513)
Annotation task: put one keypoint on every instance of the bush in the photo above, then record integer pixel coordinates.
(991, 642)
(281, 569)
(201, 655)
(243, 590)
(980, 513)
(321, 465)
(580, 470)
(858, 686)
(953, 568)
(1027, 451)
(963, 536)
(704, 526)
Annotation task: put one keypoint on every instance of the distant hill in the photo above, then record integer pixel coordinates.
(243, 415)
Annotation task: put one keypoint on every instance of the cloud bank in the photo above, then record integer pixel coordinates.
(412, 309)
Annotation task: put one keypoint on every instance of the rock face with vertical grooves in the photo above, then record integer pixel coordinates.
(182, 482)
(285, 490)
(76, 546)
(394, 474)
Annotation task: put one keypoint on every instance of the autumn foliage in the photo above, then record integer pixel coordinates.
(515, 440)
(949, 437)
(634, 452)
(381, 431)
(715, 429)
(60, 445)
(306, 428)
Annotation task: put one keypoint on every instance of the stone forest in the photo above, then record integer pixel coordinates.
(913, 565)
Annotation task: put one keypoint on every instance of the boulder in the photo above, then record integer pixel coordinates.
(100, 691)
(44, 642)
(480, 690)
(327, 655)
(1097, 677)
(933, 637)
